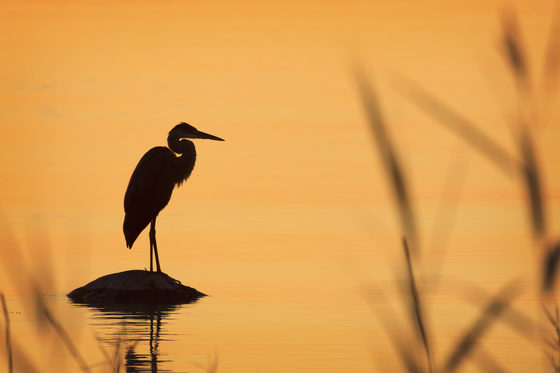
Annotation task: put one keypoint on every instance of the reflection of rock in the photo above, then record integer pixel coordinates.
(132, 311)
(135, 287)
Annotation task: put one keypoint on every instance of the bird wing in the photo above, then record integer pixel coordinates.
(149, 191)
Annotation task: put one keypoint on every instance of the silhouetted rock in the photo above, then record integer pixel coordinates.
(135, 287)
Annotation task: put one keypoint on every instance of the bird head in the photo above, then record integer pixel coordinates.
(186, 131)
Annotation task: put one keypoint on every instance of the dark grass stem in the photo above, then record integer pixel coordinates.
(486, 362)
(417, 308)
(514, 50)
(116, 360)
(212, 366)
(8, 336)
(406, 353)
(533, 184)
(531, 175)
(516, 320)
(388, 154)
(108, 359)
(550, 267)
(213, 363)
(66, 339)
(517, 58)
(553, 353)
(491, 313)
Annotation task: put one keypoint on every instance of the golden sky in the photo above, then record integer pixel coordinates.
(88, 87)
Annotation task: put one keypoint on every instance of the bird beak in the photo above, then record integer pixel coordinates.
(204, 135)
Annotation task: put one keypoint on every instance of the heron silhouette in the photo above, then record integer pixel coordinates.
(153, 180)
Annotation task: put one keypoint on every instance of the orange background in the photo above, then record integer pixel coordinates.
(294, 204)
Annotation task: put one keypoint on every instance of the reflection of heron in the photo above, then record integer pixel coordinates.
(152, 182)
(138, 330)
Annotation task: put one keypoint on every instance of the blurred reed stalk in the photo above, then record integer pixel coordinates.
(211, 367)
(523, 167)
(21, 274)
(531, 115)
(8, 337)
(116, 360)
(553, 343)
(493, 310)
(390, 161)
(61, 331)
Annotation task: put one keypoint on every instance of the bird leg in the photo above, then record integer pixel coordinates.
(153, 246)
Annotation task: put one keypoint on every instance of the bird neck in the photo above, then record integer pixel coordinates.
(184, 164)
(177, 145)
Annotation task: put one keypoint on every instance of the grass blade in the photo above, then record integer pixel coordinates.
(417, 313)
(486, 362)
(514, 51)
(461, 126)
(407, 357)
(406, 353)
(492, 311)
(551, 267)
(8, 337)
(62, 333)
(553, 344)
(389, 157)
(213, 363)
(532, 183)
(514, 319)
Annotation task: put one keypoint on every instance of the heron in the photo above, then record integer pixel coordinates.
(153, 180)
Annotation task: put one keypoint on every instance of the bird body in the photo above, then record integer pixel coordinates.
(150, 189)
(154, 178)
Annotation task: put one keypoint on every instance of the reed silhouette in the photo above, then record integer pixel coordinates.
(46, 319)
(522, 168)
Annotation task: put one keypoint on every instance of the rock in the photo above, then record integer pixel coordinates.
(135, 287)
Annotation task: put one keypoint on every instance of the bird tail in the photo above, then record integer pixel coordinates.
(131, 231)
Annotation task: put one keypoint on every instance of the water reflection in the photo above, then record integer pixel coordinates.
(136, 330)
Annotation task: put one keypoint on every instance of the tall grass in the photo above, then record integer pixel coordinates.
(522, 168)
(8, 334)
(45, 316)
(118, 352)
